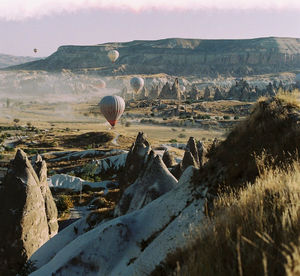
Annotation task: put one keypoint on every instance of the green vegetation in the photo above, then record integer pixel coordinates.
(63, 203)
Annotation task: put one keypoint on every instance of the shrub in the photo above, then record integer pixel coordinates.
(226, 117)
(181, 135)
(236, 117)
(63, 203)
(127, 124)
(173, 141)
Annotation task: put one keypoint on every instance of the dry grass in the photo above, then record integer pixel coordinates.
(291, 98)
(253, 232)
(272, 127)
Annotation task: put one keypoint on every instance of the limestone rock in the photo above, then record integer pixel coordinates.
(23, 220)
(50, 206)
(154, 181)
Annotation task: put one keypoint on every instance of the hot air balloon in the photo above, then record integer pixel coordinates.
(113, 55)
(183, 88)
(35, 50)
(112, 107)
(100, 84)
(137, 84)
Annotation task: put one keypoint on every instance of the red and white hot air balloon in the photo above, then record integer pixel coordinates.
(112, 108)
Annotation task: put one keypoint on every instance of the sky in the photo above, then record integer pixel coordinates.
(48, 24)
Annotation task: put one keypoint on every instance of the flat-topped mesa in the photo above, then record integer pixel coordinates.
(40, 167)
(135, 161)
(23, 220)
(153, 181)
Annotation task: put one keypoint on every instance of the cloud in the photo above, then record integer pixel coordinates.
(24, 9)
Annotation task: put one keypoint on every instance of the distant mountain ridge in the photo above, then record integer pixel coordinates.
(10, 60)
(177, 56)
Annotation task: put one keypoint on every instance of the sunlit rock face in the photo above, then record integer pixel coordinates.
(50, 207)
(23, 219)
(154, 181)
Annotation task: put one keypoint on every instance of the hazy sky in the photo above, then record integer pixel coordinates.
(47, 24)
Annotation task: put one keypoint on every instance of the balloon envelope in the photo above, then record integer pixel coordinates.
(113, 55)
(137, 84)
(35, 50)
(112, 107)
(100, 84)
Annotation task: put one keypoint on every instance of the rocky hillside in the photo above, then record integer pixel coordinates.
(178, 56)
(158, 219)
(8, 60)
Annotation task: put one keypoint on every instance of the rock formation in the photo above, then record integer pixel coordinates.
(171, 93)
(154, 92)
(154, 180)
(135, 161)
(201, 153)
(218, 95)
(194, 93)
(192, 147)
(23, 219)
(179, 57)
(194, 156)
(206, 93)
(50, 207)
(168, 159)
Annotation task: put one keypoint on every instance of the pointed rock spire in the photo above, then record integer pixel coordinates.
(23, 221)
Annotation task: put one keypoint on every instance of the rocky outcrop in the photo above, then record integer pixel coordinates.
(194, 155)
(171, 93)
(218, 95)
(50, 207)
(23, 219)
(168, 159)
(194, 93)
(135, 161)
(154, 181)
(206, 93)
(192, 148)
(154, 92)
(201, 153)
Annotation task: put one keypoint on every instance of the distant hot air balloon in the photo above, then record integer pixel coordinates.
(112, 107)
(113, 55)
(100, 84)
(35, 50)
(137, 84)
(183, 88)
